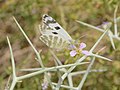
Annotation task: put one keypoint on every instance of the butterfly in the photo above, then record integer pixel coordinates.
(53, 35)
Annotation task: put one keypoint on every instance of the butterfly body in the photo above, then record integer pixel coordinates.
(53, 35)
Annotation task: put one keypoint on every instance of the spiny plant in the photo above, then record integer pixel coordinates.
(65, 72)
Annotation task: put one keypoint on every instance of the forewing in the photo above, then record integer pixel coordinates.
(51, 23)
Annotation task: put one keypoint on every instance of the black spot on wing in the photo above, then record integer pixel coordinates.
(48, 21)
(54, 32)
(57, 28)
(45, 16)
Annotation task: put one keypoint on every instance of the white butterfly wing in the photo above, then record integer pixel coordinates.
(54, 40)
(53, 35)
(50, 22)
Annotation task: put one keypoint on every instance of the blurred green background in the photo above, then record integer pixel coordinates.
(29, 13)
